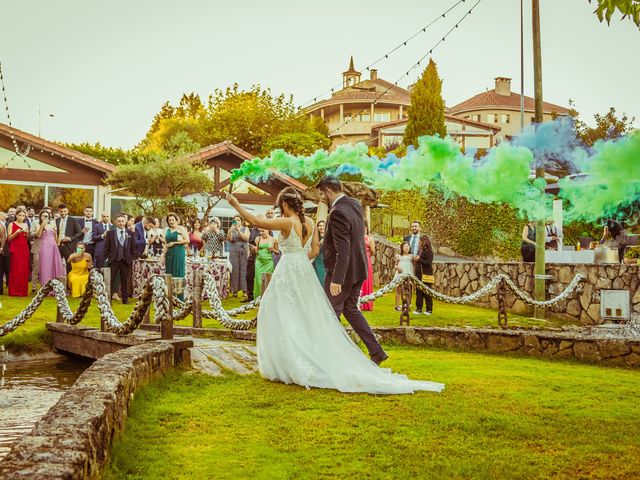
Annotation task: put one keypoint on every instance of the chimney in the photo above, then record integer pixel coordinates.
(503, 86)
(374, 74)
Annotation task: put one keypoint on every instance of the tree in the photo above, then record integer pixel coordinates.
(628, 8)
(297, 143)
(159, 180)
(426, 113)
(607, 126)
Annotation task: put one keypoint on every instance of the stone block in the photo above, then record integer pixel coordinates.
(573, 308)
(612, 272)
(604, 283)
(565, 344)
(412, 338)
(473, 273)
(614, 348)
(632, 360)
(503, 343)
(565, 275)
(585, 296)
(475, 341)
(532, 342)
(587, 351)
(594, 313)
(618, 284)
(464, 282)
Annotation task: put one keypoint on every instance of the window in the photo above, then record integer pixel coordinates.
(347, 117)
(475, 118)
(382, 117)
(492, 118)
(363, 117)
(27, 195)
(76, 198)
(504, 118)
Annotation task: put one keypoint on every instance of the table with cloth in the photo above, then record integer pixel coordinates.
(219, 269)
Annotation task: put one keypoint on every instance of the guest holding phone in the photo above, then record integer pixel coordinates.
(78, 277)
(50, 264)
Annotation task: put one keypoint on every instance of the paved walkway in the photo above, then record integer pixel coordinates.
(216, 357)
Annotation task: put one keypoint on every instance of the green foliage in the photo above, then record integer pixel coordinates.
(297, 143)
(632, 252)
(426, 113)
(160, 179)
(499, 417)
(606, 127)
(471, 230)
(573, 231)
(628, 8)
(250, 119)
(113, 155)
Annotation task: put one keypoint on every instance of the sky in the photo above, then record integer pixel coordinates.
(103, 69)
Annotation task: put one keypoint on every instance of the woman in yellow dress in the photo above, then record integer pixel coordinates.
(78, 277)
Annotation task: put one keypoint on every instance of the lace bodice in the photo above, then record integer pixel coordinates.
(293, 244)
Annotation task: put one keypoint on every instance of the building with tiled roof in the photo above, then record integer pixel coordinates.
(501, 107)
(359, 105)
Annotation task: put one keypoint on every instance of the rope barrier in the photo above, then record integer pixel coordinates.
(156, 291)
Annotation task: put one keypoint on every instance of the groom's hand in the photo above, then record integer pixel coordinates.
(335, 289)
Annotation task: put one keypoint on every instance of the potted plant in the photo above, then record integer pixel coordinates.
(632, 255)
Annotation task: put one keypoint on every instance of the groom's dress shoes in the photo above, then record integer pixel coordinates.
(379, 357)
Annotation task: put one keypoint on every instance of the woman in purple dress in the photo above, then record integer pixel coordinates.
(51, 265)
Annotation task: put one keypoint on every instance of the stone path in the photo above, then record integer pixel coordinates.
(216, 357)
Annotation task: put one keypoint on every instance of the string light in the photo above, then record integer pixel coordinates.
(21, 154)
(393, 50)
(415, 65)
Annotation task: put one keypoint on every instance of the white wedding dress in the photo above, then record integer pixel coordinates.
(300, 340)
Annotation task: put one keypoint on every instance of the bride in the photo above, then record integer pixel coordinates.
(299, 338)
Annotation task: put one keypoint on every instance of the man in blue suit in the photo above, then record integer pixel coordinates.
(100, 230)
(141, 235)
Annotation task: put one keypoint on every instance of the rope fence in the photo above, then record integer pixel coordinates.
(168, 308)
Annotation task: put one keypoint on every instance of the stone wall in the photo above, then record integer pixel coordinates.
(72, 440)
(459, 279)
(536, 343)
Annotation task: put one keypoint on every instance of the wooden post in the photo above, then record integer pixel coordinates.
(266, 278)
(166, 327)
(405, 293)
(59, 318)
(106, 275)
(197, 299)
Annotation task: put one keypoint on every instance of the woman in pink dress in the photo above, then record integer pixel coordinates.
(367, 286)
(19, 251)
(51, 265)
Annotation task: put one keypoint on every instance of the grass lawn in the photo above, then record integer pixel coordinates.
(33, 336)
(499, 417)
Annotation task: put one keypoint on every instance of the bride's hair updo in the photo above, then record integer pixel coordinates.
(293, 199)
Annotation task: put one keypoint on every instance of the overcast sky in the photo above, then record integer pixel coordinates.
(105, 68)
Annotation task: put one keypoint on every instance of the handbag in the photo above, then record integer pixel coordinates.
(428, 278)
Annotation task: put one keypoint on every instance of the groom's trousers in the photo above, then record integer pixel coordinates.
(346, 303)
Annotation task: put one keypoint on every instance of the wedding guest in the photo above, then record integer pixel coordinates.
(31, 217)
(238, 236)
(615, 232)
(528, 245)
(19, 251)
(367, 285)
(34, 254)
(266, 246)
(318, 262)
(11, 215)
(254, 233)
(118, 252)
(99, 233)
(196, 241)
(176, 238)
(551, 238)
(414, 239)
(69, 232)
(87, 223)
(213, 237)
(4, 252)
(269, 214)
(50, 263)
(141, 230)
(404, 264)
(424, 268)
(155, 240)
(78, 277)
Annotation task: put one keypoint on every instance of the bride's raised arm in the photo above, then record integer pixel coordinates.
(282, 224)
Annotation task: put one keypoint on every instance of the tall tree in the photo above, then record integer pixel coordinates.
(426, 113)
(607, 126)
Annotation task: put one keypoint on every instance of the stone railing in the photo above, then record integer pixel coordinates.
(72, 440)
(458, 279)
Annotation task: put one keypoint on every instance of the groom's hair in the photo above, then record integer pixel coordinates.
(329, 182)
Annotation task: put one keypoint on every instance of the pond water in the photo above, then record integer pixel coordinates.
(27, 391)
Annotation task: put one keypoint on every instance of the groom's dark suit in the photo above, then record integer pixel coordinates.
(345, 261)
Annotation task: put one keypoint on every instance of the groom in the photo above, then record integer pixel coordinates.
(345, 260)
